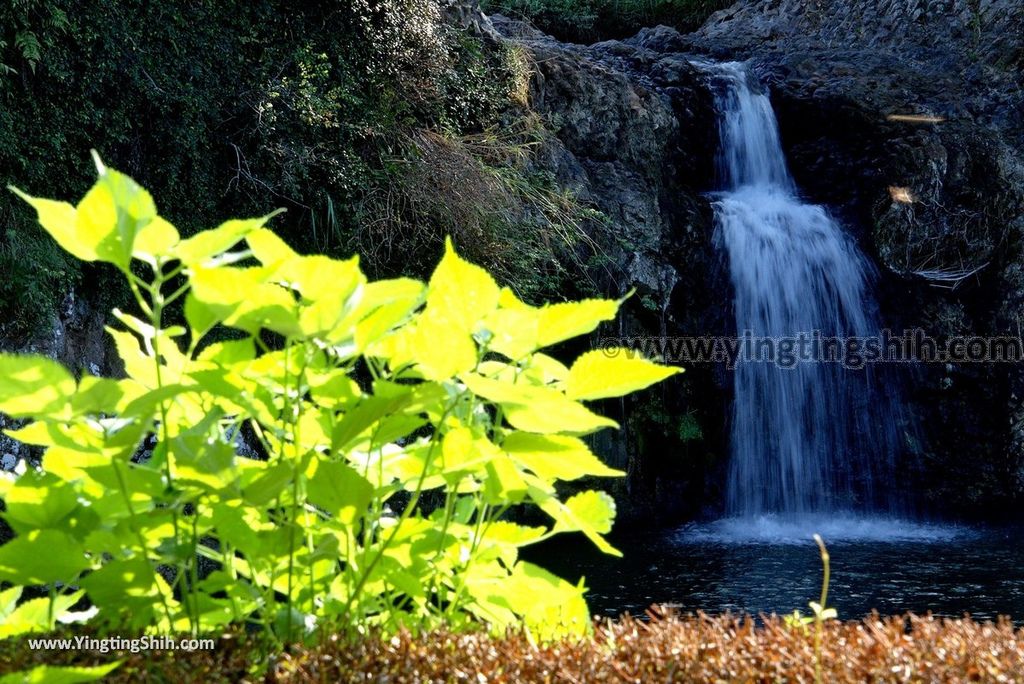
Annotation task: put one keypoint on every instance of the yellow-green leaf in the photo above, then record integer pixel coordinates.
(211, 243)
(514, 332)
(556, 457)
(60, 220)
(596, 509)
(460, 294)
(340, 490)
(30, 558)
(563, 321)
(155, 241)
(537, 409)
(33, 386)
(54, 674)
(589, 512)
(441, 350)
(603, 373)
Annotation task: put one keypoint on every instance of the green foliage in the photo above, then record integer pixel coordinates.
(36, 276)
(365, 396)
(48, 674)
(689, 428)
(33, 26)
(588, 21)
(245, 107)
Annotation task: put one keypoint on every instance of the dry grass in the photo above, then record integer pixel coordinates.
(481, 189)
(666, 648)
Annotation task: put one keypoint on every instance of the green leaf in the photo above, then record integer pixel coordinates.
(269, 484)
(459, 293)
(41, 557)
(202, 462)
(122, 585)
(537, 409)
(34, 386)
(462, 453)
(589, 512)
(103, 395)
(242, 298)
(155, 241)
(596, 509)
(9, 601)
(60, 220)
(315, 276)
(211, 243)
(201, 317)
(550, 606)
(384, 305)
(514, 332)
(504, 532)
(504, 483)
(604, 373)
(367, 413)
(556, 457)
(104, 225)
(35, 615)
(52, 674)
(440, 348)
(113, 213)
(566, 320)
(340, 490)
(38, 500)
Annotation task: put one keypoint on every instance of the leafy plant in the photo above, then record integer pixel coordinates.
(361, 396)
(290, 128)
(819, 608)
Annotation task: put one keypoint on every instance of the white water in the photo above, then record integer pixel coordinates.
(817, 438)
(772, 529)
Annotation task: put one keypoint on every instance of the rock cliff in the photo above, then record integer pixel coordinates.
(903, 118)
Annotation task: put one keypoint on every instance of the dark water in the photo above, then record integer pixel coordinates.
(768, 566)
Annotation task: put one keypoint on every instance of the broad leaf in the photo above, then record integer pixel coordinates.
(556, 457)
(460, 294)
(33, 386)
(560, 322)
(41, 557)
(340, 490)
(604, 373)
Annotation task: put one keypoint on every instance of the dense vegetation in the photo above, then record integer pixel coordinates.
(587, 21)
(364, 399)
(379, 125)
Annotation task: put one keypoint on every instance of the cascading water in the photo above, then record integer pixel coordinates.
(817, 437)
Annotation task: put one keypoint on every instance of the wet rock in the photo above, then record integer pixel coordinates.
(634, 135)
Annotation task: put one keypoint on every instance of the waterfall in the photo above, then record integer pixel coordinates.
(817, 437)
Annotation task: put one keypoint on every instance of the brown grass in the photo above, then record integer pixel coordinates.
(665, 648)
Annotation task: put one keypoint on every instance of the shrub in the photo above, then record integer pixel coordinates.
(363, 397)
(320, 98)
(587, 21)
(661, 647)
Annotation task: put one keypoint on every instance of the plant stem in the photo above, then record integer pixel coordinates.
(818, 620)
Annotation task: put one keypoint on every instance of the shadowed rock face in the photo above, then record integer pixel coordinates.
(633, 133)
(905, 118)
